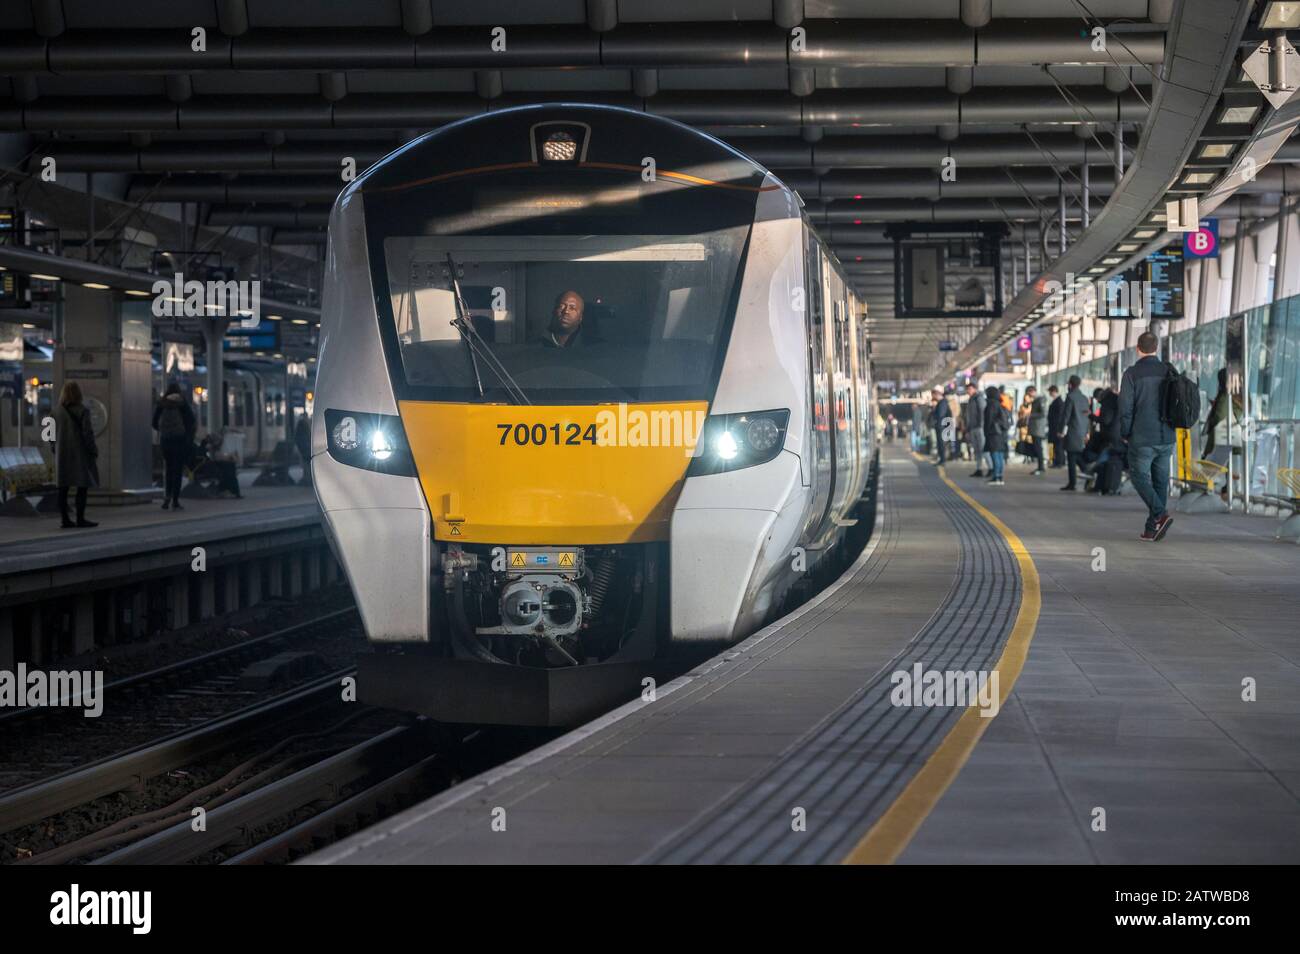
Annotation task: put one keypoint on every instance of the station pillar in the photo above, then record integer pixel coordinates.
(105, 348)
(214, 332)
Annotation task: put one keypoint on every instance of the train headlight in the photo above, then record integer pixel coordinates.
(381, 448)
(373, 442)
(732, 441)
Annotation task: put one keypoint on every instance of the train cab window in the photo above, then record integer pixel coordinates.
(570, 319)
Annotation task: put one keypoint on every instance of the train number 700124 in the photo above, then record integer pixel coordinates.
(568, 435)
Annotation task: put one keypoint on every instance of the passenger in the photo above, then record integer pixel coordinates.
(565, 328)
(1107, 446)
(1074, 433)
(173, 419)
(302, 441)
(75, 453)
(222, 463)
(973, 419)
(954, 408)
(940, 422)
(1037, 426)
(997, 424)
(1056, 424)
(1222, 435)
(1150, 439)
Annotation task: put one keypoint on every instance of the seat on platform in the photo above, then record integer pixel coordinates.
(22, 470)
(1201, 497)
(275, 473)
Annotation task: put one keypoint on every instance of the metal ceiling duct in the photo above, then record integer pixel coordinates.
(77, 270)
(841, 152)
(830, 107)
(829, 43)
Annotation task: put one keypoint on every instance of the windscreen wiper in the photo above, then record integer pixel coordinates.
(478, 348)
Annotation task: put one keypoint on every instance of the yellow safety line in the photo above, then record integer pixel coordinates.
(891, 833)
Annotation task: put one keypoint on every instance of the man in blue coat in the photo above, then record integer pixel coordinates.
(1150, 439)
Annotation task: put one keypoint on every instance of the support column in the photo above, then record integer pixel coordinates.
(1240, 252)
(312, 558)
(178, 601)
(6, 639)
(139, 613)
(83, 624)
(230, 589)
(293, 563)
(252, 573)
(275, 576)
(1281, 249)
(213, 333)
(207, 595)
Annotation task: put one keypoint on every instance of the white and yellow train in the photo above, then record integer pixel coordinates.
(590, 387)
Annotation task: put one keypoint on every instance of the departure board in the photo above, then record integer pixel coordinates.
(1164, 276)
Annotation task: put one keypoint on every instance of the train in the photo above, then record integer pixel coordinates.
(591, 390)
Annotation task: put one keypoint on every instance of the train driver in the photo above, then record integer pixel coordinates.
(565, 328)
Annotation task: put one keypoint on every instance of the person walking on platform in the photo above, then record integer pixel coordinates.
(997, 424)
(1074, 432)
(1036, 424)
(1056, 424)
(75, 454)
(972, 415)
(954, 409)
(1150, 439)
(941, 421)
(173, 419)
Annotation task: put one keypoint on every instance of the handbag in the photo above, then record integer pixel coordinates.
(1024, 448)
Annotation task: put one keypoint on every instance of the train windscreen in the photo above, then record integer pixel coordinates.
(565, 319)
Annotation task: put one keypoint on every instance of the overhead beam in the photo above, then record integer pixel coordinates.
(827, 43)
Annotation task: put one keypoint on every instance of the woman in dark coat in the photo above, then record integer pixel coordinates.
(75, 453)
(997, 423)
(173, 419)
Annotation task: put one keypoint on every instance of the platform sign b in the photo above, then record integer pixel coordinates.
(1204, 241)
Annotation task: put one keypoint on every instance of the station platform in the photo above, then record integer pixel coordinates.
(1120, 735)
(34, 543)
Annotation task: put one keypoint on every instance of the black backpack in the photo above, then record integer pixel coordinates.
(1180, 400)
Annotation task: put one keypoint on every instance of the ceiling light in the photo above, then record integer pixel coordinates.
(1130, 247)
(1280, 16)
(273, 317)
(47, 278)
(137, 293)
(1114, 260)
(1144, 233)
(1216, 150)
(1198, 178)
(298, 321)
(1237, 115)
(95, 285)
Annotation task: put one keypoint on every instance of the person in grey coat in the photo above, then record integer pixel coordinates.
(75, 453)
(1037, 426)
(972, 418)
(1075, 431)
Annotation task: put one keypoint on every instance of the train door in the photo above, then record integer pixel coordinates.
(821, 396)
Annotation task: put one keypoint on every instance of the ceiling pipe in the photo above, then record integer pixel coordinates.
(844, 152)
(831, 43)
(78, 270)
(828, 107)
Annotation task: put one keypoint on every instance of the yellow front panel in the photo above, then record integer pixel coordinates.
(621, 489)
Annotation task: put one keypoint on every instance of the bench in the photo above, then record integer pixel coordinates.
(1204, 499)
(275, 473)
(1288, 482)
(22, 469)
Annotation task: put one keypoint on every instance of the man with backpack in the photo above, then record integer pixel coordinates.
(173, 419)
(1148, 393)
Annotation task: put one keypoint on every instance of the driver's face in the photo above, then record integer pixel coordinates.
(568, 311)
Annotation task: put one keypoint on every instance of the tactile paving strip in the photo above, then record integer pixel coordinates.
(848, 770)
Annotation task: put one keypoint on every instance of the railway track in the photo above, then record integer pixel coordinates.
(43, 742)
